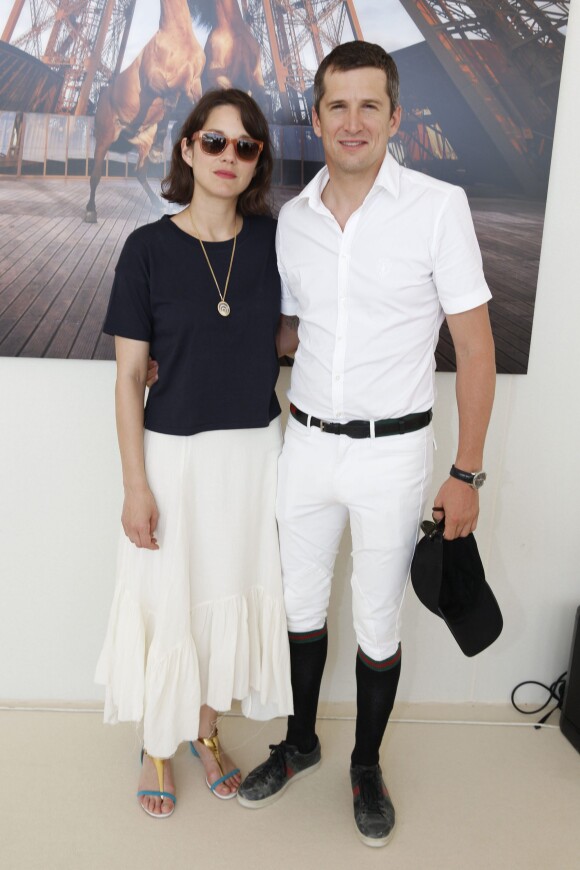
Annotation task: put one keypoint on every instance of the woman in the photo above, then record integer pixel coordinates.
(198, 616)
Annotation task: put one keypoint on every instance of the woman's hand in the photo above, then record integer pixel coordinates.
(140, 517)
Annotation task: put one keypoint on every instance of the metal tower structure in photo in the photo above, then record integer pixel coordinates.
(294, 36)
(505, 57)
(83, 40)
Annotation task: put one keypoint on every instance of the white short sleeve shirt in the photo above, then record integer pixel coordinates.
(371, 298)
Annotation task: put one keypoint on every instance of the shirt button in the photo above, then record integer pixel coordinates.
(337, 377)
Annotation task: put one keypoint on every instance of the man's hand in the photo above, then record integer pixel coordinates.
(461, 505)
(287, 335)
(152, 372)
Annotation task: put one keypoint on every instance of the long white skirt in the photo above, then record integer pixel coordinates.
(201, 620)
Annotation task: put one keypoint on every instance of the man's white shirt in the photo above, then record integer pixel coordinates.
(371, 298)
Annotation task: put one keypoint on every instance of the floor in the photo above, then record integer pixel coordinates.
(467, 796)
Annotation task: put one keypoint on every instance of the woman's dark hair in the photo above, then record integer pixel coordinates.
(354, 55)
(177, 186)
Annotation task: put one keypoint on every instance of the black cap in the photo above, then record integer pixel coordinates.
(449, 579)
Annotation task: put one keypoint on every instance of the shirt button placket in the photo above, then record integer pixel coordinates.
(341, 328)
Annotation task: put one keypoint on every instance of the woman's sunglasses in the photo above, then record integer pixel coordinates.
(216, 143)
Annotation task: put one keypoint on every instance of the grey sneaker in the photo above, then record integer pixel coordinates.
(374, 814)
(268, 781)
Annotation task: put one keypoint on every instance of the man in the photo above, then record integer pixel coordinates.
(372, 256)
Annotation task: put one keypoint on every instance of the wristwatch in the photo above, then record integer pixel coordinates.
(475, 479)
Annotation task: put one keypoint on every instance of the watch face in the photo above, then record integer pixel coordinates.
(479, 479)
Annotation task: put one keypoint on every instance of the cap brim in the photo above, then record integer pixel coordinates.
(427, 571)
(479, 627)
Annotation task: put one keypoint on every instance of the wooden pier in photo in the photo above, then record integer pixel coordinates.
(56, 271)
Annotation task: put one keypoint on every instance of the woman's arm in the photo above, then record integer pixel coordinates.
(140, 515)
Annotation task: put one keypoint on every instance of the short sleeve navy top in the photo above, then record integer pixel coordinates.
(214, 372)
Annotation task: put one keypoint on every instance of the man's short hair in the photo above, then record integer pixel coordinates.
(354, 55)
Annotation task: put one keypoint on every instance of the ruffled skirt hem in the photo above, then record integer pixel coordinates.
(242, 639)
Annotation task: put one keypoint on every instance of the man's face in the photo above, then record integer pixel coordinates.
(355, 121)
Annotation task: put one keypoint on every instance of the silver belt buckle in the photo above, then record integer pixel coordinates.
(322, 425)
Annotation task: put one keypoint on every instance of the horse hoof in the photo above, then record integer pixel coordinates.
(90, 217)
(156, 154)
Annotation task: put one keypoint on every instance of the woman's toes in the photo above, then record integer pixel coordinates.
(230, 786)
(224, 788)
(149, 781)
(148, 804)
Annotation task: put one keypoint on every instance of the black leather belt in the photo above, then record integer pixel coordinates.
(362, 428)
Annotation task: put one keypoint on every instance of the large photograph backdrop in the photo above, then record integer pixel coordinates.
(479, 89)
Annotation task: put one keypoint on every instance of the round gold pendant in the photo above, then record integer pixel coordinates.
(223, 308)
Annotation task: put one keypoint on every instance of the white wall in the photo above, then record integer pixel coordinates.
(60, 500)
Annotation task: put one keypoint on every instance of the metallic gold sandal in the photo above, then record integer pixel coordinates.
(159, 767)
(213, 745)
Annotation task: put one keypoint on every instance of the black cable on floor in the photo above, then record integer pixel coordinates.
(555, 691)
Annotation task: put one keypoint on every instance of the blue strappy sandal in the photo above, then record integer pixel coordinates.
(158, 762)
(213, 745)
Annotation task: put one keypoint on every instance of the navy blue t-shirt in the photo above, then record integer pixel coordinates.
(214, 372)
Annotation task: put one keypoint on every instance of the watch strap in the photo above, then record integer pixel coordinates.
(473, 478)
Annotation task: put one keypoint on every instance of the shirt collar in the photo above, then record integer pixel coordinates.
(389, 178)
(313, 190)
(389, 175)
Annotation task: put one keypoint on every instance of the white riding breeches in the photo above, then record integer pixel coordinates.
(381, 485)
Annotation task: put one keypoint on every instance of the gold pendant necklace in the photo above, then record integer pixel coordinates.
(222, 307)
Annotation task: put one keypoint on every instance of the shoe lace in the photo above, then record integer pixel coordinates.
(371, 791)
(278, 755)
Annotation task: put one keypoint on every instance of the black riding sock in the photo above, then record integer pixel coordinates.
(307, 659)
(376, 687)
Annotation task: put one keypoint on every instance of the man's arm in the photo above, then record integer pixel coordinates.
(287, 335)
(475, 386)
(286, 345)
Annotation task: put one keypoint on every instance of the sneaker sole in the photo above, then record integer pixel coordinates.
(374, 842)
(264, 802)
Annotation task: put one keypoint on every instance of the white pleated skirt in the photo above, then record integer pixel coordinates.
(201, 620)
